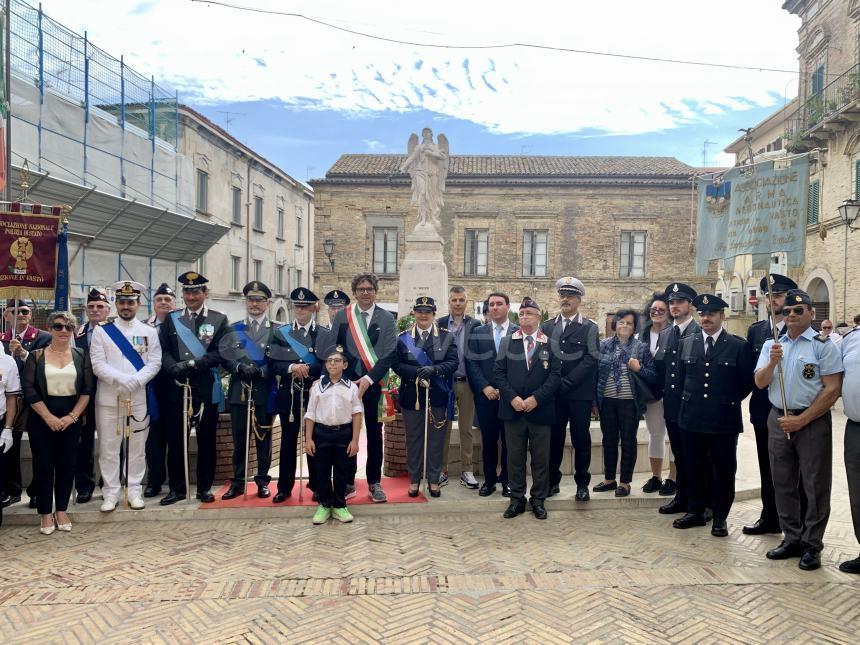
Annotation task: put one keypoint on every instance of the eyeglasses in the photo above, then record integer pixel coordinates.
(61, 327)
(797, 311)
(21, 312)
(365, 290)
(657, 311)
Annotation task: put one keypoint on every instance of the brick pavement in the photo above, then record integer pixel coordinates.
(592, 575)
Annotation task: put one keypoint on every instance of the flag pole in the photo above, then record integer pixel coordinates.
(772, 317)
(7, 97)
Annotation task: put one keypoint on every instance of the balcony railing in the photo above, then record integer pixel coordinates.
(832, 104)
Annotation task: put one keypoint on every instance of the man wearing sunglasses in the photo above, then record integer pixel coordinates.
(800, 442)
(19, 339)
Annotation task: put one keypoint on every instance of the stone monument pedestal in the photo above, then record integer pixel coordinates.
(424, 272)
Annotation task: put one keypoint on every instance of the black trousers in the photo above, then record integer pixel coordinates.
(262, 440)
(492, 430)
(711, 463)
(373, 468)
(527, 438)
(85, 463)
(290, 431)
(619, 421)
(156, 453)
(578, 413)
(172, 416)
(676, 440)
(331, 458)
(54, 456)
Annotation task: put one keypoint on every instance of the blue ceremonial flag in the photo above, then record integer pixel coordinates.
(61, 293)
(753, 210)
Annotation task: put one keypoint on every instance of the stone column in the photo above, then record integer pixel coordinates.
(423, 272)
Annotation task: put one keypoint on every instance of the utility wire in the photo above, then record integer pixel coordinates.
(569, 50)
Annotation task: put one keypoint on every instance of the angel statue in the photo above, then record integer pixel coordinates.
(427, 164)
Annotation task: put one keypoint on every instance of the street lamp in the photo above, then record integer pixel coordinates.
(328, 249)
(848, 211)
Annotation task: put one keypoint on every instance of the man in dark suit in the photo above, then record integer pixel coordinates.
(368, 335)
(191, 340)
(757, 334)
(19, 339)
(528, 373)
(573, 338)
(245, 351)
(97, 311)
(296, 363)
(716, 369)
(483, 345)
(666, 359)
(461, 326)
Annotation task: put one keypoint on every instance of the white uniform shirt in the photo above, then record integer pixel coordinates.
(333, 404)
(10, 380)
(112, 368)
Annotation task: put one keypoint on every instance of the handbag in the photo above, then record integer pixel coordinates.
(644, 393)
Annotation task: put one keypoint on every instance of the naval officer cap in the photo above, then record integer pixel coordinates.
(709, 303)
(797, 297)
(680, 291)
(96, 295)
(336, 298)
(424, 304)
(303, 297)
(569, 285)
(778, 284)
(127, 290)
(256, 290)
(192, 281)
(164, 290)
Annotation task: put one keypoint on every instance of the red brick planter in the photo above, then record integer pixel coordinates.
(394, 464)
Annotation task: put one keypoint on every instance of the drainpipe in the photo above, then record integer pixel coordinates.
(248, 225)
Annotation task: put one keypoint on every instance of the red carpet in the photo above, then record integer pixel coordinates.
(396, 489)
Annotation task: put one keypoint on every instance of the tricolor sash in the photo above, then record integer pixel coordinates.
(193, 345)
(303, 351)
(358, 330)
(130, 353)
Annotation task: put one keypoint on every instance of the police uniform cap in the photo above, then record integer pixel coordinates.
(192, 281)
(680, 291)
(256, 290)
(164, 290)
(797, 297)
(127, 290)
(303, 296)
(335, 298)
(528, 303)
(778, 283)
(569, 285)
(424, 304)
(709, 303)
(96, 295)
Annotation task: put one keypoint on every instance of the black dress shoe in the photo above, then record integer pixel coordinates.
(516, 507)
(850, 566)
(604, 486)
(234, 491)
(719, 528)
(622, 491)
(436, 493)
(810, 560)
(32, 503)
(281, 496)
(538, 510)
(668, 489)
(205, 496)
(412, 493)
(84, 497)
(708, 515)
(761, 528)
(171, 498)
(263, 492)
(673, 507)
(553, 491)
(785, 550)
(652, 485)
(506, 490)
(688, 521)
(486, 489)
(152, 491)
(582, 494)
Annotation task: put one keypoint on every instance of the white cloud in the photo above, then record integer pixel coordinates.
(213, 54)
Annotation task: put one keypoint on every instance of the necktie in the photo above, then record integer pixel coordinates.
(424, 336)
(304, 332)
(564, 325)
(366, 317)
(709, 345)
(676, 336)
(255, 328)
(497, 336)
(193, 316)
(530, 346)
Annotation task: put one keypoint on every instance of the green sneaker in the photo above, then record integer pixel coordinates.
(322, 515)
(342, 514)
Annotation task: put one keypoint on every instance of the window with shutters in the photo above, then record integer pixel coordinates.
(818, 80)
(258, 270)
(535, 253)
(475, 253)
(235, 272)
(258, 214)
(202, 191)
(812, 203)
(632, 254)
(237, 206)
(384, 249)
(280, 233)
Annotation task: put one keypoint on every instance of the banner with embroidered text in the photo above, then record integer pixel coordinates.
(28, 252)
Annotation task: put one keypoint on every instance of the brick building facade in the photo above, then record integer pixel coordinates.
(620, 224)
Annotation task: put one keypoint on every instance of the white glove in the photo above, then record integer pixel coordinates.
(129, 384)
(6, 439)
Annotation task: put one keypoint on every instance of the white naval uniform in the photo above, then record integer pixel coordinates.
(112, 369)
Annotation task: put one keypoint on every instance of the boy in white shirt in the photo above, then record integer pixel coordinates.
(332, 425)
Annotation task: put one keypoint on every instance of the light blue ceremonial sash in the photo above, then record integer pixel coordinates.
(424, 361)
(251, 348)
(193, 345)
(299, 348)
(131, 355)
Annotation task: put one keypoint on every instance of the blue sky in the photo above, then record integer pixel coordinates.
(302, 93)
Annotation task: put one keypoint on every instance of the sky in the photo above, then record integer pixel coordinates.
(302, 93)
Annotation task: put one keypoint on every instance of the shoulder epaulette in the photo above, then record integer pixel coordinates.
(105, 322)
(740, 338)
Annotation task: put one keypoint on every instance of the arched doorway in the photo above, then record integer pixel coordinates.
(281, 315)
(820, 296)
